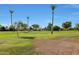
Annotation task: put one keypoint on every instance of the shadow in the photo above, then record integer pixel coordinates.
(27, 37)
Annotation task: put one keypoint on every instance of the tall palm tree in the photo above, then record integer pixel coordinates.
(11, 13)
(53, 7)
(28, 23)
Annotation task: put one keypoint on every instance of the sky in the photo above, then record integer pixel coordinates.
(39, 14)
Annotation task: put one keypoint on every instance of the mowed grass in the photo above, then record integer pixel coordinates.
(9, 44)
(39, 35)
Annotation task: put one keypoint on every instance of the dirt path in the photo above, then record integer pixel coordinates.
(57, 47)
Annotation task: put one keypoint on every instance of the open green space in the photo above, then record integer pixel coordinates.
(10, 44)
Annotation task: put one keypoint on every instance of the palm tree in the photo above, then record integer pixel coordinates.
(28, 23)
(53, 7)
(11, 13)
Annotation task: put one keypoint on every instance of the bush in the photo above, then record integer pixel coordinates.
(2, 28)
(77, 27)
(67, 25)
(56, 28)
(11, 28)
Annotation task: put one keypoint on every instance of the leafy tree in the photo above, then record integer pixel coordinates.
(6, 28)
(2, 28)
(11, 28)
(56, 28)
(17, 28)
(77, 27)
(30, 28)
(72, 29)
(44, 29)
(35, 27)
(49, 26)
(67, 25)
(20, 25)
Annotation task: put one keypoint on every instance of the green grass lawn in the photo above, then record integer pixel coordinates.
(9, 44)
(39, 35)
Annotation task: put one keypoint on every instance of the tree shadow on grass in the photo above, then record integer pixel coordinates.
(27, 37)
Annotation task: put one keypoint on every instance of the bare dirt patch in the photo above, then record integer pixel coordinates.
(57, 47)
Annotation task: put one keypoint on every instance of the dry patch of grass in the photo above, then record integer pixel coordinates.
(62, 46)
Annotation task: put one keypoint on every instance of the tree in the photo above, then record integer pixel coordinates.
(11, 28)
(30, 28)
(28, 23)
(2, 28)
(67, 25)
(35, 27)
(6, 28)
(56, 28)
(21, 26)
(53, 7)
(49, 26)
(11, 13)
(17, 28)
(44, 29)
(77, 27)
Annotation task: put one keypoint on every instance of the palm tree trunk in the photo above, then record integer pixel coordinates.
(52, 22)
(12, 22)
(28, 24)
(11, 19)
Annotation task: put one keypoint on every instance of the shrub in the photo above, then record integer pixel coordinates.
(56, 28)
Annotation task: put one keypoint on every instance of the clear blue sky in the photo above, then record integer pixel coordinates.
(39, 13)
